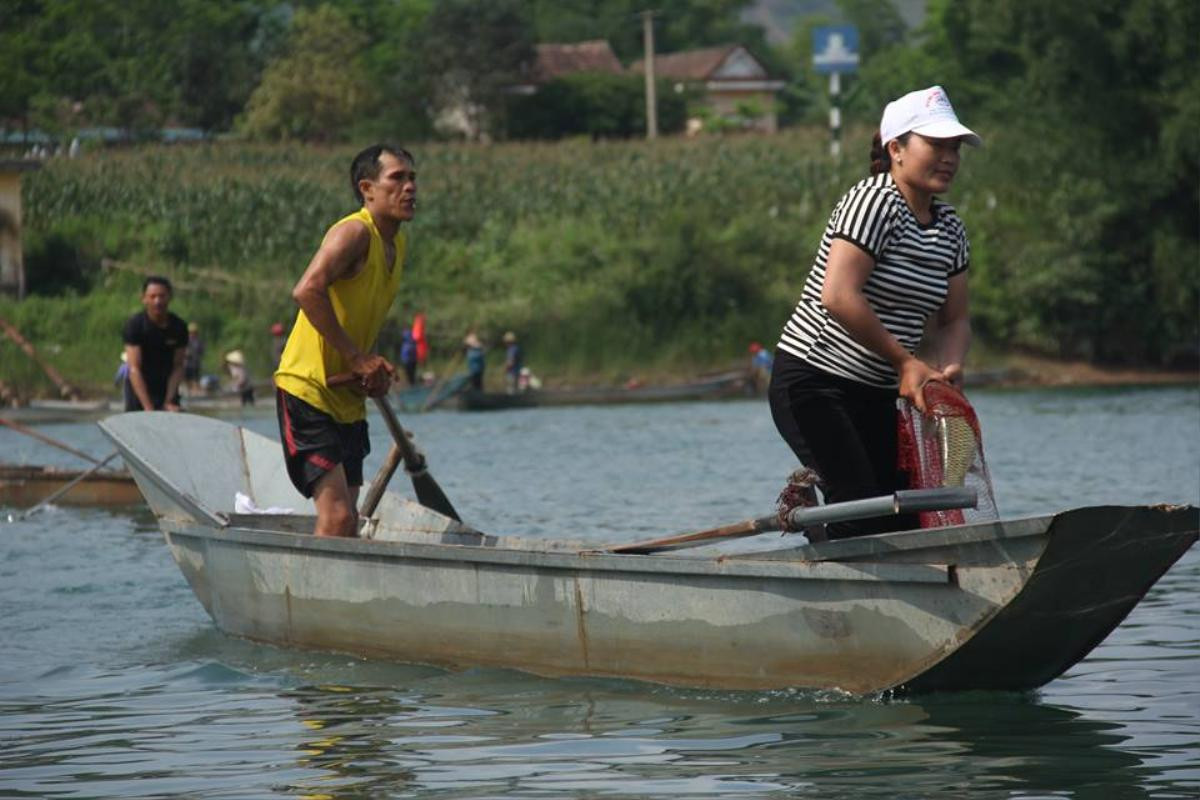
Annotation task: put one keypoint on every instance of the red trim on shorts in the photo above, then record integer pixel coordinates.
(321, 461)
(288, 440)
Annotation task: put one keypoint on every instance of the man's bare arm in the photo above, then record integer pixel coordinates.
(137, 381)
(174, 379)
(341, 255)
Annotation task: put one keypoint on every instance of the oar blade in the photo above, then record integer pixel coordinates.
(430, 495)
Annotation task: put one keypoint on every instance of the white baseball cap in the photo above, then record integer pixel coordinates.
(927, 112)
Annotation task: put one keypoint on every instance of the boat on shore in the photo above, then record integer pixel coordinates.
(26, 485)
(1006, 605)
(415, 399)
(715, 387)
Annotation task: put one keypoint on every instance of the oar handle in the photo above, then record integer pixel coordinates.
(905, 501)
(902, 502)
(41, 437)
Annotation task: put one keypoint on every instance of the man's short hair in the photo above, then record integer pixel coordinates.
(160, 280)
(366, 164)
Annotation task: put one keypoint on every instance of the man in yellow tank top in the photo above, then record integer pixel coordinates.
(344, 296)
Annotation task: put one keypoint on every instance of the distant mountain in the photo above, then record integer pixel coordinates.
(779, 17)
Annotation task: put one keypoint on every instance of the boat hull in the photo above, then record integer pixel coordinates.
(918, 621)
(681, 621)
(23, 486)
(1003, 605)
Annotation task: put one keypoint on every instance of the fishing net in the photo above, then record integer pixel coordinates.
(943, 447)
(800, 492)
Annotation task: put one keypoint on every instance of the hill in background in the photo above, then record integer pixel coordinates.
(779, 17)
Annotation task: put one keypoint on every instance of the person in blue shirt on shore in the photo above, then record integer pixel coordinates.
(514, 359)
(760, 366)
(408, 356)
(475, 360)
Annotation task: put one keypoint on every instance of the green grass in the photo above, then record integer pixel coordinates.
(608, 258)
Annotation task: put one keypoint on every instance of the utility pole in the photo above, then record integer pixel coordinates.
(835, 114)
(651, 99)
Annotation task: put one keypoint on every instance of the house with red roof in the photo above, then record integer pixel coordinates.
(559, 60)
(730, 80)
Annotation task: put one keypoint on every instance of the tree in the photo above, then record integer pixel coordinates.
(879, 24)
(473, 51)
(318, 87)
(219, 55)
(594, 104)
(101, 54)
(393, 57)
(678, 24)
(1094, 112)
(134, 64)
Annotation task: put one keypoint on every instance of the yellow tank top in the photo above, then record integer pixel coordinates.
(361, 304)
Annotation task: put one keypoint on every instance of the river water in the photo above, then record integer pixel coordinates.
(115, 684)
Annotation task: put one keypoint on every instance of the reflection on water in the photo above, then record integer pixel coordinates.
(496, 734)
(348, 738)
(114, 683)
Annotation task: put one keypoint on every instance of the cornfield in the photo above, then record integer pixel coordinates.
(605, 256)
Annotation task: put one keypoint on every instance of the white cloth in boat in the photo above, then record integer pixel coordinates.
(244, 505)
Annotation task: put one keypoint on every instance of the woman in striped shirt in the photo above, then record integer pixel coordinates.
(892, 256)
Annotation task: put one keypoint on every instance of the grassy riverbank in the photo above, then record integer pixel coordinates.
(657, 260)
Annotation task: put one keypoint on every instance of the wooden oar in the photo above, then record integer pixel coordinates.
(41, 437)
(429, 494)
(64, 388)
(378, 486)
(45, 501)
(906, 501)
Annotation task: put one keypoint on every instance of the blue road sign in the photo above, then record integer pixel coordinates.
(835, 49)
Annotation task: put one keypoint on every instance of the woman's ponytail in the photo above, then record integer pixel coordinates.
(880, 160)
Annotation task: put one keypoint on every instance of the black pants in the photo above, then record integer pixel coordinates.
(846, 431)
(157, 396)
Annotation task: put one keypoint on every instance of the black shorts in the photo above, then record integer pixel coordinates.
(315, 443)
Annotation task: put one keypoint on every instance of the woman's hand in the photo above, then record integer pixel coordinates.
(954, 375)
(914, 374)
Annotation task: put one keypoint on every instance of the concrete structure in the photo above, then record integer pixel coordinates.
(729, 78)
(12, 263)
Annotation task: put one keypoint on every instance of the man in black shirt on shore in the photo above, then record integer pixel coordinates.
(155, 343)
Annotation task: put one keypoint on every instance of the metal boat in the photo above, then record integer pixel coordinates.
(1002, 605)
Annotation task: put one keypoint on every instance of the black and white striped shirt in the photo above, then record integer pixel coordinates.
(913, 263)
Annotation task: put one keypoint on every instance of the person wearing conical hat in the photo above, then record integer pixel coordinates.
(475, 359)
(239, 376)
(514, 359)
(122, 370)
